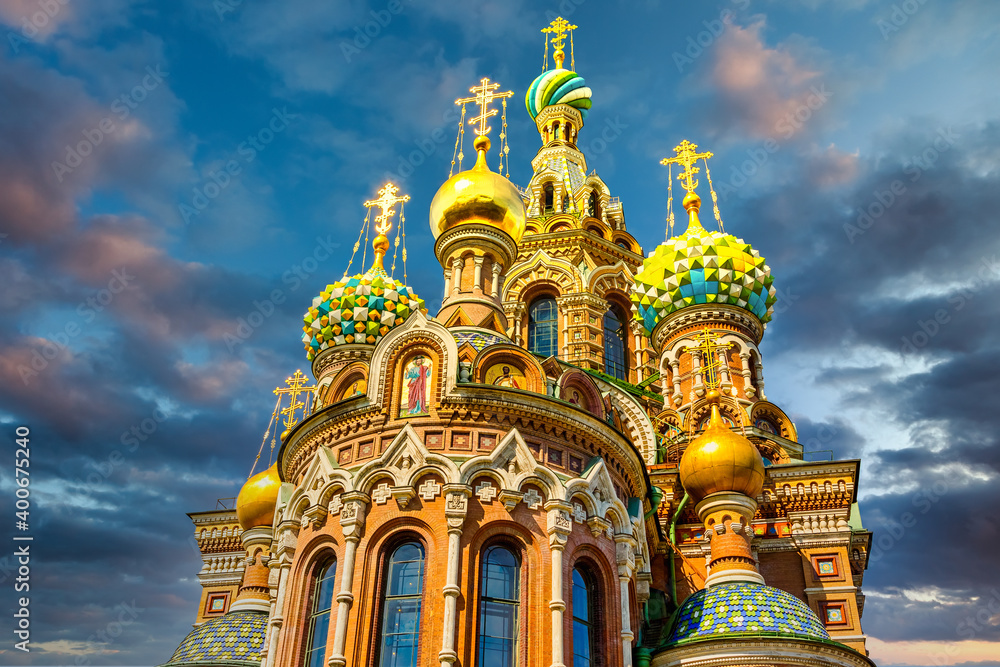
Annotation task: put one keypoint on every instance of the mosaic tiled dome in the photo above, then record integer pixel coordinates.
(558, 86)
(700, 266)
(235, 639)
(360, 309)
(743, 608)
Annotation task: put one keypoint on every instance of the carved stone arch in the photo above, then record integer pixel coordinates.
(514, 356)
(542, 267)
(561, 221)
(342, 383)
(402, 459)
(416, 335)
(641, 430)
(728, 407)
(786, 429)
(617, 278)
(597, 226)
(511, 462)
(320, 476)
(623, 237)
(617, 514)
(580, 389)
(321, 392)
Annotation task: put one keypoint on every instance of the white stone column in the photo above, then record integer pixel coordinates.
(287, 534)
(456, 505)
(747, 384)
(625, 551)
(456, 274)
(447, 283)
(352, 522)
(699, 386)
(477, 282)
(675, 367)
(496, 280)
(724, 380)
(559, 526)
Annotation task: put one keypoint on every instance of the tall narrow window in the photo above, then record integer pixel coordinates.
(499, 599)
(565, 203)
(615, 362)
(319, 618)
(550, 195)
(592, 207)
(542, 329)
(584, 633)
(404, 585)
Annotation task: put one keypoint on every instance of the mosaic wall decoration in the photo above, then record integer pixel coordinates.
(235, 638)
(745, 608)
(479, 341)
(505, 375)
(416, 390)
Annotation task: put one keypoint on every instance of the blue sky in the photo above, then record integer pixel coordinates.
(856, 146)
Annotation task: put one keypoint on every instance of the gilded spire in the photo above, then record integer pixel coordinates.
(687, 156)
(386, 201)
(483, 95)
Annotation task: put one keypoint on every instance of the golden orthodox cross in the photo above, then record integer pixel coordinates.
(709, 345)
(484, 93)
(559, 27)
(295, 387)
(386, 201)
(687, 155)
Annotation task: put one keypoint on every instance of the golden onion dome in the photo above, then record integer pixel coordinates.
(478, 196)
(257, 499)
(719, 460)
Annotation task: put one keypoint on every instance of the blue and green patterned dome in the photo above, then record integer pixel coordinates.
(558, 86)
(745, 608)
(702, 267)
(360, 309)
(234, 639)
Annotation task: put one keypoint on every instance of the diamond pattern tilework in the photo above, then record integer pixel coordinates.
(360, 309)
(744, 607)
(479, 341)
(702, 267)
(234, 638)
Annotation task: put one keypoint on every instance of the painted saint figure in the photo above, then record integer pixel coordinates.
(506, 380)
(416, 376)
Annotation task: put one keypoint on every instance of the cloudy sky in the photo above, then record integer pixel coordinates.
(143, 217)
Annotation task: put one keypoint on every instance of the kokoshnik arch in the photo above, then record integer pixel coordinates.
(573, 463)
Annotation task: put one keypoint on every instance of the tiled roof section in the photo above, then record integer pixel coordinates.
(235, 638)
(745, 608)
(479, 341)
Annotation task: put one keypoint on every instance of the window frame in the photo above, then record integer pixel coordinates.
(553, 323)
(616, 310)
(321, 572)
(593, 622)
(516, 552)
(385, 598)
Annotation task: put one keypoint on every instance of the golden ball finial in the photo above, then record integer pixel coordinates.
(482, 144)
(719, 460)
(257, 499)
(380, 244)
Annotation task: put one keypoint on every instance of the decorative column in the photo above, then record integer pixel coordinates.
(747, 384)
(456, 505)
(447, 283)
(287, 535)
(760, 379)
(352, 523)
(478, 274)
(732, 558)
(724, 370)
(699, 386)
(625, 551)
(496, 280)
(456, 275)
(675, 366)
(559, 526)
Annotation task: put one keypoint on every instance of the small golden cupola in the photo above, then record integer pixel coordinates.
(477, 217)
(257, 499)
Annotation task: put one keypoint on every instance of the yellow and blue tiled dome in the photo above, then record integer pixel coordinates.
(699, 267)
(360, 309)
(745, 608)
(558, 86)
(233, 639)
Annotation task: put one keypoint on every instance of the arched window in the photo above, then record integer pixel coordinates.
(319, 617)
(542, 327)
(615, 361)
(565, 203)
(404, 584)
(550, 194)
(499, 599)
(593, 209)
(585, 632)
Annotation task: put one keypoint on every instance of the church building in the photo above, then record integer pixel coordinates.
(574, 462)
